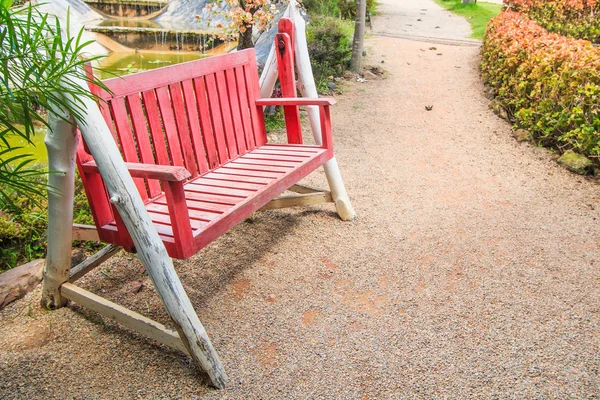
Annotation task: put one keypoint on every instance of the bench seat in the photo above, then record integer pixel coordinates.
(227, 195)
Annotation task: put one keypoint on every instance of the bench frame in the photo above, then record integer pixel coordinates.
(203, 356)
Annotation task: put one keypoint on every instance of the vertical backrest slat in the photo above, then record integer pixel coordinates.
(166, 112)
(128, 148)
(226, 114)
(156, 130)
(244, 108)
(215, 115)
(234, 101)
(194, 121)
(205, 123)
(142, 137)
(258, 123)
(183, 130)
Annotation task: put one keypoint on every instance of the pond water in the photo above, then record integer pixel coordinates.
(37, 150)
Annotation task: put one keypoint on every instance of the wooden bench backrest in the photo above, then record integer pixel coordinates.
(198, 115)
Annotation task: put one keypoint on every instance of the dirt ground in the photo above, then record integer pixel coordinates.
(472, 270)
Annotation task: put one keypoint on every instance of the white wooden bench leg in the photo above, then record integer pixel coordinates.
(306, 85)
(151, 250)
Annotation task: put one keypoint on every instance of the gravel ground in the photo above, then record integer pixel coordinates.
(422, 18)
(472, 270)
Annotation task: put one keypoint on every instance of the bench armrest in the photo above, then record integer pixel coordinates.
(296, 101)
(166, 173)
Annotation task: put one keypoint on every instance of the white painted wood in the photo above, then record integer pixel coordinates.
(85, 232)
(92, 262)
(130, 319)
(151, 251)
(298, 200)
(308, 88)
(61, 142)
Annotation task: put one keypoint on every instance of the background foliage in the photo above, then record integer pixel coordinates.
(575, 18)
(548, 83)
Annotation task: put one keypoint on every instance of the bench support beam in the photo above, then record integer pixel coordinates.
(124, 316)
(92, 262)
(297, 200)
(151, 250)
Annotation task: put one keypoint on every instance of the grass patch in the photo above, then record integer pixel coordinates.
(478, 15)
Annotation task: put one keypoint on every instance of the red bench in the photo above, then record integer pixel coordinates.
(193, 137)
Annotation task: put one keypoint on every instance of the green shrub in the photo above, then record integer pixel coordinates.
(24, 223)
(322, 7)
(548, 83)
(575, 18)
(347, 8)
(329, 46)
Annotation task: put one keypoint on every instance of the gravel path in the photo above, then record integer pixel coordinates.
(419, 19)
(471, 272)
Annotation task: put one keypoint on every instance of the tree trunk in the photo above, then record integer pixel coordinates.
(245, 40)
(359, 35)
(61, 142)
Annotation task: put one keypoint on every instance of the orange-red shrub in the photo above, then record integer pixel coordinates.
(550, 84)
(574, 18)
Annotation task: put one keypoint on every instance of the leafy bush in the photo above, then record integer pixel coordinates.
(322, 7)
(574, 18)
(548, 83)
(23, 225)
(329, 46)
(347, 8)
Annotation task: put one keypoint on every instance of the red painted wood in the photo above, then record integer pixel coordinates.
(244, 108)
(165, 173)
(96, 194)
(236, 116)
(256, 113)
(180, 219)
(205, 123)
(299, 101)
(212, 198)
(326, 130)
(197, 218)
(142, 136)
(168, 119)
(226, 114)
(286, 25)
(230, 184)
(200, 206)
(194, 125)
(239, 172)
(183, 130)
(156, 130)
(128, 147)
(287, 80)
(216, 118)
(148, 80)
(197, 188)
(256, 168)
(265, 163)
(275, 157)
(224, 177)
